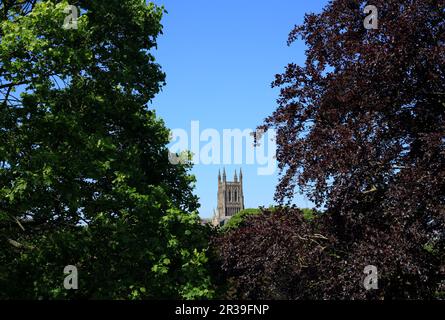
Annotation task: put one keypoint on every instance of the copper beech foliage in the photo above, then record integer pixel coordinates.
(361, 131)
(275, 255)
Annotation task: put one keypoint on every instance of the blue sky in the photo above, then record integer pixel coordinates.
(220, 58)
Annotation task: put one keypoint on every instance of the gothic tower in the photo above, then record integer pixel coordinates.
(230, 197)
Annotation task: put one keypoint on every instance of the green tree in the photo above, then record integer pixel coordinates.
(85, 178)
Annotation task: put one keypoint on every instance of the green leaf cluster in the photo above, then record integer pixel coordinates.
(85, 177)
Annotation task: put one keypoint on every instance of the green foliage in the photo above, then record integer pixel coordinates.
(85, 178)
(238, 219)
(308, 213)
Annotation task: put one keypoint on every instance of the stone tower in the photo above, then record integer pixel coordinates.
(230, 197)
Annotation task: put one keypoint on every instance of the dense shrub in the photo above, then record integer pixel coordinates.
(282, 255)
(273, 255)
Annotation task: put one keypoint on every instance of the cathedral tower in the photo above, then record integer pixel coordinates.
(230, 197)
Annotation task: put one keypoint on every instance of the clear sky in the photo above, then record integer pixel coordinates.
(220, 58)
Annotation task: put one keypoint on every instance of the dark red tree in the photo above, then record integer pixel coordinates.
(366, 112)
(361, 127)
(361, 130)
